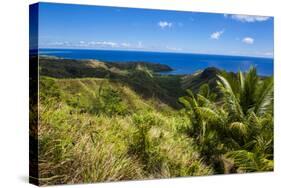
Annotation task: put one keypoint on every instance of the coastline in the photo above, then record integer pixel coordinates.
(180, 63)
(157, 68)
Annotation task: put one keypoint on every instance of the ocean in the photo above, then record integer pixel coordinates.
(180, 63)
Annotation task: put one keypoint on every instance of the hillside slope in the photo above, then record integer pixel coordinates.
(94, 129)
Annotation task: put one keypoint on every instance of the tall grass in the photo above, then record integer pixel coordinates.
(139, 141)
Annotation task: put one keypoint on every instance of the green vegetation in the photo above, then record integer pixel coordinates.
(237, 129)
(115, 123)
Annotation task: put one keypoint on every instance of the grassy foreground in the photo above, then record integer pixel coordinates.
(115, 123)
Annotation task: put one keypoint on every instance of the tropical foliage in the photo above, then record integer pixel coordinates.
(236, 127)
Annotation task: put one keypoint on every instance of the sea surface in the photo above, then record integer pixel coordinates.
(180, 63)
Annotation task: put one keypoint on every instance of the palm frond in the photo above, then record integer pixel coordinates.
(250, 162)
(230, 99)
(248, 94)
(240, 127)
(208, 114)
(241, 80)
(204, 90)
(203, 101)
(265, 98)
(185, 102)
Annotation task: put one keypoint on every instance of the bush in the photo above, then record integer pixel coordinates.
(112, 102)
(142, 147)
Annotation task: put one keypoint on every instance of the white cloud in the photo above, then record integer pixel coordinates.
(58, 43)
(104, 44)
(247, 18)
(140, 44)
(248, 40)
(82, 44)
(173, 48)
(268, 54)
(216, 35)
(124, 44)
(164, 24)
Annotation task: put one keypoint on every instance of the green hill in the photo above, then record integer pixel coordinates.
(94, 129)
(206, 76)
(141, 77)
(111, 123)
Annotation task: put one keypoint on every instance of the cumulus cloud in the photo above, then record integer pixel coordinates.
(164, 24)
(248, 40)
(216, 35)
(247, 18)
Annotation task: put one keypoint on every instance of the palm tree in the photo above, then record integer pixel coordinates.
(239, 126)
(248, 99)
(207, 120)
(246, 92)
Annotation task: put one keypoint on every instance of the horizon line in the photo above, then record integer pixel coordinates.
(173, 52)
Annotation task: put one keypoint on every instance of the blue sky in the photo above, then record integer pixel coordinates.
(114, 28)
